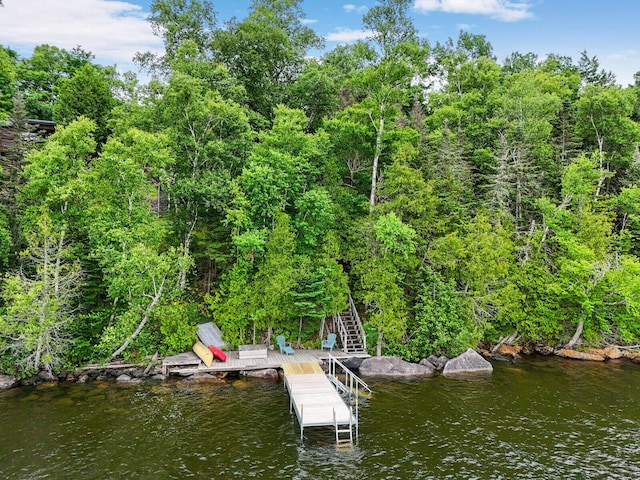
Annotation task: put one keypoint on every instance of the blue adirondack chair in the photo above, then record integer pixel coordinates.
(329, 342)
(285, 347)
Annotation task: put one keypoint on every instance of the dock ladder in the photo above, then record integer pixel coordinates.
(344, 436)
(352, 388)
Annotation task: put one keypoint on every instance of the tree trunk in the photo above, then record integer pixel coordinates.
(186, 246)
(322, 327)
(376, 158)
(56, 270)
(141, 325)
(506, 340)
(603, 177)
(379, 345)
(576, 336)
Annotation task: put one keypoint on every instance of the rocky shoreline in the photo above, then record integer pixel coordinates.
(610, 352)
(471, 361)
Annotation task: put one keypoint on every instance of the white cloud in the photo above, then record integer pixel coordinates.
(113, 31)
(624, 63)
(309, 21)
(466, 26)
(351, 8)
(503, 10)
(347, 35)
(625, 55)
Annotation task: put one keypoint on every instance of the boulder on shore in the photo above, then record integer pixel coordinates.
(610, 352)
(543, 350)
(269, 373)
(469, 362)
(203, 377)
(124, 378)
(568, 353)
(352, 363)
(7, 382)
(437, 362)
(393, 367)
(47, 377)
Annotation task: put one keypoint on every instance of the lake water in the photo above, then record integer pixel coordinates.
(541, 418)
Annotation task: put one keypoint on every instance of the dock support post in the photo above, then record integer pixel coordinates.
(357, 418)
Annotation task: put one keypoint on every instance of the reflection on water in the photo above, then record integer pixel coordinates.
(537, 419)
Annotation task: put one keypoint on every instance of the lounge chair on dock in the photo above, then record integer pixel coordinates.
(285, 347)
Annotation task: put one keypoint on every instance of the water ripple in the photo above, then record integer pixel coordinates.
(537, 419)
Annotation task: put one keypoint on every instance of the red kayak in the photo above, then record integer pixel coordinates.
(217, 353)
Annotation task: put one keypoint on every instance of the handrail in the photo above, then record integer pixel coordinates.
(353, 389)
(354, 310)
(354, 382)
(342, 330)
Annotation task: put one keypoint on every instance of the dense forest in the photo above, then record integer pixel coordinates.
(457, 197)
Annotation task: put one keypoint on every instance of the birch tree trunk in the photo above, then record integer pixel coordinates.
(376, 157)
(576, 336)
(154, 300)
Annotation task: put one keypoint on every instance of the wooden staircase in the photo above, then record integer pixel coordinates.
(349, 327)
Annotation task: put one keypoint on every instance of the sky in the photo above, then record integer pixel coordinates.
(114, 30)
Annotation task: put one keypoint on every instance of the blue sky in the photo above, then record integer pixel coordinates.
(114, 30)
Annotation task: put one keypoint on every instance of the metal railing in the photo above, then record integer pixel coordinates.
(341, 330)
(353, 386)
(354, 312)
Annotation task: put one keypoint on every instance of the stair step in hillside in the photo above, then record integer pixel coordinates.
(350, 330)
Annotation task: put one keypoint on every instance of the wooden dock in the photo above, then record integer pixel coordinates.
(188, 363)
(314, 394)
(316, 401)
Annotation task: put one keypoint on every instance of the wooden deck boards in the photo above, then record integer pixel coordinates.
(302, 368)
(316, 401)
(188, 363)
(312, 395)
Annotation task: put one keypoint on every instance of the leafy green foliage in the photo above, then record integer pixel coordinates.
(266, 51)
(40, 75)
(88, 94)
(441, 324)
(8, 78)
(382, 264)
(458, 199)
(177, 325)
(41, 303)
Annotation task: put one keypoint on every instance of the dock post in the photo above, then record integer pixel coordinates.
(357, 417)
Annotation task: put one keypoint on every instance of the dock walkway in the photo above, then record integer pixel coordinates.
(314, 395)
(316, 401)
(188, 363)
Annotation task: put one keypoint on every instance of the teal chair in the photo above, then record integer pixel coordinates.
(329, 342)
(285, 347)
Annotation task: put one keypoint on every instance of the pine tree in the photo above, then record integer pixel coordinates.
(20, 138)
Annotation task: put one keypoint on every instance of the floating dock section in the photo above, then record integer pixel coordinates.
(315, 397)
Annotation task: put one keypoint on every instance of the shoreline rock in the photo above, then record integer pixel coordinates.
(437, 362)
(7, 382)
(394, 367)
(385, 366)
(577, 355)
(470, 362)
(268, 373)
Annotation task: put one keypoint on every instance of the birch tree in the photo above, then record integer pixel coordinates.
(401, 57)
(42, 299)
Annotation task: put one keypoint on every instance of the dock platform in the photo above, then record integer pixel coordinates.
(314, 395)
(316, 401)
(188, 363)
